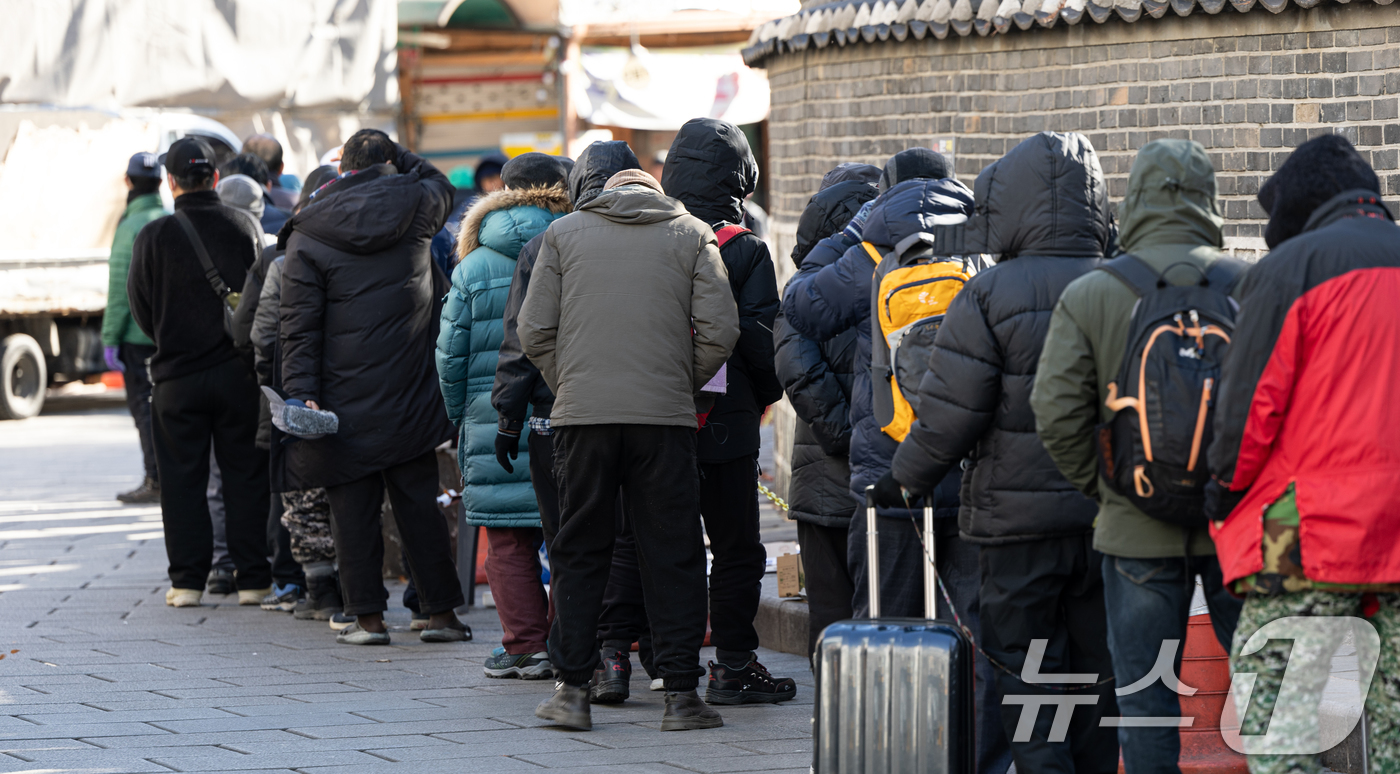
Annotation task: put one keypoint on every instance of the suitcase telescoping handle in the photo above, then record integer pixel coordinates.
(872, 559)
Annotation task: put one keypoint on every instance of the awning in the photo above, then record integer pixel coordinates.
(661, 89)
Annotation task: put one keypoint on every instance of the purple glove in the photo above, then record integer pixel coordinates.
(113, 360)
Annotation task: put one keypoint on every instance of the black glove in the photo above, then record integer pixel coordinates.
(889, 494)
(1219, 500)
(507, 446)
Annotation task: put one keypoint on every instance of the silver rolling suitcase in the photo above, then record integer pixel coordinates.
(894, 695)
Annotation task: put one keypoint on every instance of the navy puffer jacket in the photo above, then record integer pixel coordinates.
(827, 298)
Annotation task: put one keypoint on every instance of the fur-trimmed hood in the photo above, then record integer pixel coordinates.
(508, 232)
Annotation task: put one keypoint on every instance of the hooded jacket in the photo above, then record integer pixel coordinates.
(493, 233)
(617, 290)
(1171, 215)
(823, 300)
(117, 326)
(1308, 397)
(519, 388)
(710, 170)
(1043, 210)
(358, 317)
(817, 377)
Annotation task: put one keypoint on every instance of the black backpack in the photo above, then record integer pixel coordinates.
(1153, 449)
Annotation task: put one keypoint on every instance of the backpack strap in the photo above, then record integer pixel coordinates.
(1224, 273)
(872, 252)
(1133, 272)
(727, 233)
(221, 288)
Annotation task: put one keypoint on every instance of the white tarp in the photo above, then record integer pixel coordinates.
(248, 54)
(661, 89)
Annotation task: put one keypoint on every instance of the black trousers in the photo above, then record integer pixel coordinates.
(138, 400)
(541, 449)
(285, 569)
(1053, 590)
(357, 526)
(655, 468)
(623, 619)
(218, 405)
(829, 585)
(729, 506)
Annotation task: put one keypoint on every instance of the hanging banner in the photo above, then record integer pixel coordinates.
(661, 89)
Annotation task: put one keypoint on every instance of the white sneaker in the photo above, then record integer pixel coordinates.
(658, 684)
(183, 597)
(253, 596)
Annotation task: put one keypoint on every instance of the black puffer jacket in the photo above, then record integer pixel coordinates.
(519, 386)
(359, 315)
(1043, 209)
(710, 170)
(817, 377)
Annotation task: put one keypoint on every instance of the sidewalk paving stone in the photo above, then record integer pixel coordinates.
(109, 680)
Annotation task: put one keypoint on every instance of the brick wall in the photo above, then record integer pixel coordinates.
(1248, 86)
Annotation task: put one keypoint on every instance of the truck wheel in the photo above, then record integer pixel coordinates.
(23, 377)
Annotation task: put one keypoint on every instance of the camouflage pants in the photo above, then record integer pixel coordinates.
(1311, 663)
(307, 515)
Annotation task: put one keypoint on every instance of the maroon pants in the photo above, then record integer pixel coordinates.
(513, 571)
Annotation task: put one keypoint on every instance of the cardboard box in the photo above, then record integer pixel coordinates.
(790, 577)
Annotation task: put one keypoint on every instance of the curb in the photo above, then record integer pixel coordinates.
(781, 623)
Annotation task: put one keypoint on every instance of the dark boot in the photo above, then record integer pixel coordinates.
(613, 678)
(750, 684)
(686, 712)
(324, 593)
(148, 492)
(568, 707)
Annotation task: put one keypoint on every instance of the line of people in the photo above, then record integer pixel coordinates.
(1012, 430)
(606, 344)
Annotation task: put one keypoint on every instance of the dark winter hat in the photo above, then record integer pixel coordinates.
(849, 170)
(533, 170)
(488, 166)
(831, 208)
(186, 155)
(568, 166)
(1318, 170)
(318, 177)
(145, 165)
(914, 163)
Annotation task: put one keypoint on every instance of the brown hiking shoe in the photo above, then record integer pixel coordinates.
(687, 712)
(147, 493)
(568, 707)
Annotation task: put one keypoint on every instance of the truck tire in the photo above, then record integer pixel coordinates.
(23, 377)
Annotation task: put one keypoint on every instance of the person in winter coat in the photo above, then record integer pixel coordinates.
(629, 313)
(493, 233)
(124, 347)
(1305, 435)
(817, 379)
(204, 393)
(520, 396)
(710, 169)
(1171, 215)
(1042, 210)
(299, 523)
(358, 314)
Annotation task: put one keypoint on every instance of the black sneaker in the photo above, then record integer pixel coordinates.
(220, 582)
(750, 685)
(612, 679)
(147, 493)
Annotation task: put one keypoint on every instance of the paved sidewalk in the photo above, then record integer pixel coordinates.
(98, 675)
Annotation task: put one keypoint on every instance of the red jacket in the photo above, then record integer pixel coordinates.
(1311, 396)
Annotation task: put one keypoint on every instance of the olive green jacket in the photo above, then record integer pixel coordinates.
(117, 326)
(1171, 215)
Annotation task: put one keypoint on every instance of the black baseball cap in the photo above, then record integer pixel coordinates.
(143, 165)
(188, 153)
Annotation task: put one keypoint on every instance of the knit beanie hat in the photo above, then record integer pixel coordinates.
(633, 177)
(1318, 170)
(914, 163)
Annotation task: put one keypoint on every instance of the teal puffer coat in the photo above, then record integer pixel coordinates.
(469, 342)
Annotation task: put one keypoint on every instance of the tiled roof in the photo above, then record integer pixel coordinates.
(851, 22)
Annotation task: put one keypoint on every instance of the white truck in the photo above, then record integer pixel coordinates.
(61, 195)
